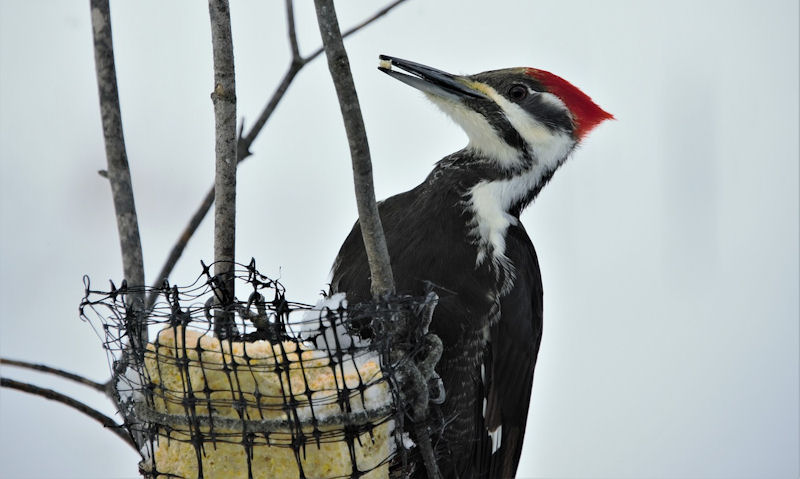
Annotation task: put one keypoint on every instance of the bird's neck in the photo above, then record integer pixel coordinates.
(495, 203)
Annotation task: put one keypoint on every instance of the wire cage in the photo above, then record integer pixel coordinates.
(286, 390)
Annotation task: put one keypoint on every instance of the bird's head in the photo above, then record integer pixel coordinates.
(517, 117)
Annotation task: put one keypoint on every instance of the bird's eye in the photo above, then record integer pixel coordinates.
(518, 92)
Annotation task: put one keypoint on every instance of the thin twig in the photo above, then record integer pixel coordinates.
(56, 372)
(295, 66)
(180, 245)
(368, 217)
(119, 174)
(57, 396)
(224, 98)
(247, 140)
(359, 26)
(292, 31)
(243, 148)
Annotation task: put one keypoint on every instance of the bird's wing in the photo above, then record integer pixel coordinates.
(510, 360)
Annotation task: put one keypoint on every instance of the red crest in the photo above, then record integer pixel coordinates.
(586, 113)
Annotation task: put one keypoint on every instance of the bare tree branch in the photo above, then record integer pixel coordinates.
(56, 372)
(119, 174)
(371, 228)
(243, 149)
(224, 98)
(297, 64)
(247, 140)
(57, 396)
(358, 27)
(292, 31)
(180, 245)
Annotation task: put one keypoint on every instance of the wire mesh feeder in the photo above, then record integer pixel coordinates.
(290, 391)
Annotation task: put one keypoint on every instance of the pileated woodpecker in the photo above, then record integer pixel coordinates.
(460, 231)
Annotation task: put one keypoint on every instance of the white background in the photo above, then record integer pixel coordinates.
(668, 243)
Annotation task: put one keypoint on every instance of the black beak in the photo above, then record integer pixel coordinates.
(429, 80)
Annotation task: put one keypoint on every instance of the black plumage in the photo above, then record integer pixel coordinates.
(428, 236)
(459, 231)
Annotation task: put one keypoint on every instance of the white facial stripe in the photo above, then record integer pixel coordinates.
(532, 131)
(482, 136)
(554, 101)
(547, 146)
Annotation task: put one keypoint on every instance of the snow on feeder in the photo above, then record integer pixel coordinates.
(290, 391)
